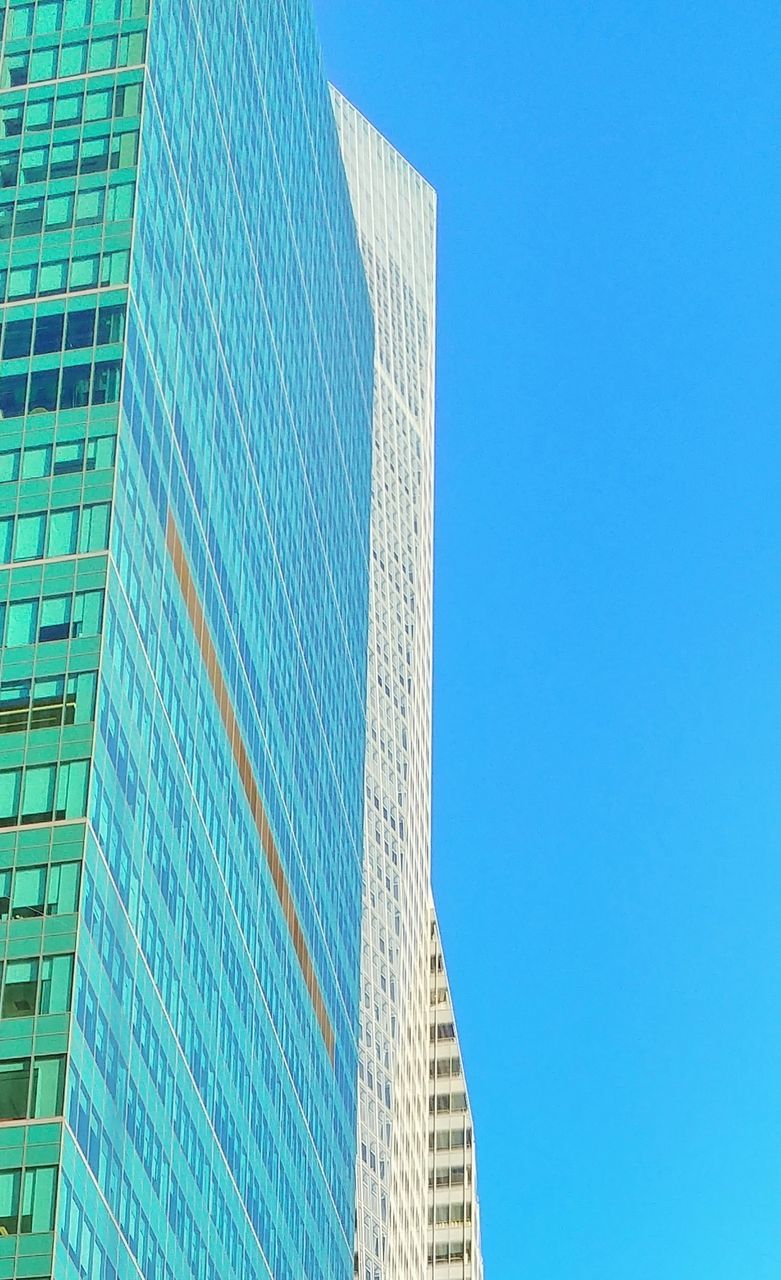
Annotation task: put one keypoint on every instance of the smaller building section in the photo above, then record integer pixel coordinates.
(454, 1251)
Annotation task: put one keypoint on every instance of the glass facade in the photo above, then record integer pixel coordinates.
(186, 349)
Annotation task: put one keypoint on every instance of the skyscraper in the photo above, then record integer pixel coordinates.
(395, 211)
(185, 454)
(454, 1250)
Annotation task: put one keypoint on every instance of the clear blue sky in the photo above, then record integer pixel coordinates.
(608, 609)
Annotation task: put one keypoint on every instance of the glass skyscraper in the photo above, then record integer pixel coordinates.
(185, 469)
(408, 1226)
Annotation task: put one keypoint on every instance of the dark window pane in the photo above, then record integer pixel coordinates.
(48, 334)
(12, 396)
(17, 339)
(14, 1089)
(75, 386)
(29, 217)
(81, 328)
(106, 385)
(21, 989)
(43, 390)
(111, 324)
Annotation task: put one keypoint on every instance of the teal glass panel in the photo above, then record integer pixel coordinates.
(38, 1200)
(56, 982)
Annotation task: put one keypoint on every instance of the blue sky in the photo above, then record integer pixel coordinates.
(607, 831)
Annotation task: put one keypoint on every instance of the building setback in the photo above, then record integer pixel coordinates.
(185, 454)
(395, 212)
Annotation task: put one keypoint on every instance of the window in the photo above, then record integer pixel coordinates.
(42, 986)
(29, 540)
(21, 623)
(10, 792)
(50, 890)
(48, 334)
(10, 1189)
(29, 897)
(38, 793)
(63, 529)
(45, 793)
(38, 1199)
(20, 991)
(17, 339)
(9, 465)
(14, 1089)
(48, 1087)
(56, 981)
(55, 618)
(12, 396)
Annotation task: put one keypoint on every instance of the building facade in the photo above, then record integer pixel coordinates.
(454, 1251)
(400, 1204)
(395, 211)
(185, 456)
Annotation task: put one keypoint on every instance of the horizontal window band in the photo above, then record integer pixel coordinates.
(241, 758)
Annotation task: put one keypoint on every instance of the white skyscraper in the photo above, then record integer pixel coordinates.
(453, 1210)
(395, 213)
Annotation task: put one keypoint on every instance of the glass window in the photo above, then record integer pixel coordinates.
(89, 207)
(48, 334)
(29, 540)
(38, 1200)
(39, 115)
(68, 458)
(53, 277)
(14, 705)
(105, 388)
(64, 159)
(48, 1082)
(100, 453)
(29, 898)
(38, 793)
(14, 1089)
(10, 1188)
(56, 975)
(111, 324)
(84, 272)
(10, 791)
(87, 613)
(94, 528)
(74, 393)
(43, 391)
(12, 118)
(63, 892)
(36, 462)
(80, 330)
(21, 989)
(5, 893)
(55, 618)
(17, 339)
(63, 530)
(6, 538)
(13, 391)
(99, 104)
(59, 212)
(71, 790)
(29, 217)
(48, 17)
(69, 106)
(9, 465)
(20, 21)
(21, 623)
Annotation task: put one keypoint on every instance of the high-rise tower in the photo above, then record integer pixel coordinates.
(185, 453)
(395, 212)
